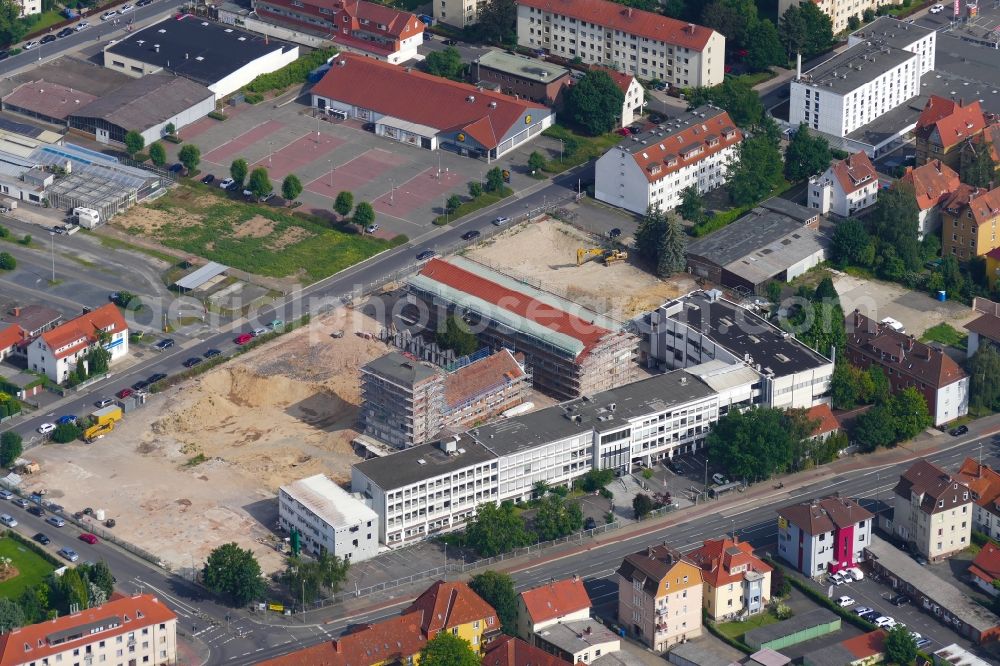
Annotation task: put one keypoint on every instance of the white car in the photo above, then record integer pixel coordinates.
(8, 520)
(371, 228)
(937, 9)
(856, 573)
(29, 45)
(107, 16)
(844, 602)
(227, 183)
(46, 428)
(719, 479)
(883, 622)
(125, 8)
(82, 25)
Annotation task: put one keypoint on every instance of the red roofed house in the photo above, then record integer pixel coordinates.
(451, 115)
(943, 127)
(847, 186)
(968, 223)
(367, 28)
(456, 608)
(989, 140)
(646, 44)
(984, 482)
(571, 351)
(932, 184)
(827, 423)
(635, 95)
(736, 582)
(908, 363)
(55, 352)
(985, 569)
(695, 149)
(511, 651)
(562, 601)
(10, 336)
(140, 627)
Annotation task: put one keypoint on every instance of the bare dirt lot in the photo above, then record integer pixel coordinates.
(200, 464)
(544, 253)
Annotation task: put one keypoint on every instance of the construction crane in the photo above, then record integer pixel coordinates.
(607, 257)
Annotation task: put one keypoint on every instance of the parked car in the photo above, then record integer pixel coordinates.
(371, 228)
(936, 9)
(107, 16)
(615, 233)
(178, 168)
(156, 377)
(104, 402)
(370, 127)
(47, 39)
(844, 602)
(884, 622)
(257, 332)
(861, 610)
(226, 183)
(165, 343)
(36, 510)
(211, 353)
(276, 324)
(719, 479)
(125, 8)
(66, 418)
(623, 131)
(208, 179)
(899, 600)
(69, 554)
(82, 25)
(143, 3)
(140, 385)
(42, 539)
(6, 494)
(501, 220)
(856, 573)
(469, 235)
(65, 32)
(425, 255)
(87, 537)
(450, 42)
(959, 431)
(21, 502)
(243, 338)
(8, 520)
(55, 521)
(655, 118)
(124, 393)
(46, 428)
(193, 361)
(27, 46)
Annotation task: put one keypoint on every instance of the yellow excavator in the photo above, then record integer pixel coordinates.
(607, 257)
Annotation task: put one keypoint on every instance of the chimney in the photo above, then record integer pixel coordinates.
(798, 65)
(909, 344)
(17, 311)
(902, 351)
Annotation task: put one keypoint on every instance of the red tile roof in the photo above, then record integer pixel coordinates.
(984, 204)
(827, 421)
(718, 557)
(81, 332)
(118, 616)
(855, 172)
(444, 105)
(556, 599)
(10, 336)
(991, 137)
(361, 16)
(866, 645)
(688, 146)
(510, 651)
(446, 605)
(932, 182)
(521, 305)
(983, 481)
(622, 80)
(628, 20)
(821, 516)
(480, 376)
(986, 565)
(951, 122)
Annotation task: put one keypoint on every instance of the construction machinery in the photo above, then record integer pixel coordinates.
(583, 254)
(607, 257)
(614, 256)
(102, 422)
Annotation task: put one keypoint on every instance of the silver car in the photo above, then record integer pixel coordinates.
(69, 554)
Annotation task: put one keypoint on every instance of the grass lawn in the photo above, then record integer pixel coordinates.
(756, 78)
(45, 20)
(946, 334)
(737, 629)
(482, 201)
(252, 237)
(33, 569)
(578, 148)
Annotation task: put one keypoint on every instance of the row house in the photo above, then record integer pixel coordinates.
(984, 482)
(944, 126)
(969, 220)
(737, 583)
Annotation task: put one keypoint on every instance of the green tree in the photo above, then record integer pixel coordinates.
(900, 646)
(494, 180)
(536, 161)
(190, 156)
(99, 358)
(71, 589)
(457, 337)
(11, 615)
(158, 154)
(774, 291)
(806, 30)
(497, 22)
(764, 47)
(291, 187)
(66, 432)
(307, 579)
(642, 504)
(448, 649)
(756, 171)
(238, 170)
(595, 480)
(475, 189)
(260, 183)
(233, 573)
(496, 530)
(692, 206)
(364, 214)
(12, 28)
(806, 155)
(894, 222)
(844, 386)
(170, 129)
(7, 261)
(497, 589)
(735, 96)
(454, 201)
(10, 448)
(754, 444)
(649, 234)
(853, 23)
(133, 142)
(34, 603)
(446, 63)
(594, 103)
(732, 18)
(671, 259)
(343, 203)
(556, 518)
(99, 574)
(909, 413)
(979, 171)
(984, 380)
(852, 245)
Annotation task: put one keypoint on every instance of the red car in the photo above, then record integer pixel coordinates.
(243, 338)
(624, 131)
(89, 538)
(124, 393)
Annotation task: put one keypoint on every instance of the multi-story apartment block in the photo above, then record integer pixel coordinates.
(932, 510)
(736, 582)
(984, 482)
(543, 606)
(908, 363)
(887, 31)
(374, 30)
(328, 519)
(654, 170)
(126, 630)
(659, 597)
(969, 220)
(570, 350)
(56, 351)
(642, 43)
(459, 13)
(988, 140)
(839, 11)
(29, 7)
(824, 536)
(407, 402)
(435, 488)
(847, 186)
(944, 127)
(702, 326)
(454, 607)
(933, 183)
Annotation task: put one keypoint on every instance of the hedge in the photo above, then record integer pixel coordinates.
(173, 138)
(980, 539)
(217, 115)
(295, 72)
(728, 640)
(823, 600)
(33, 547)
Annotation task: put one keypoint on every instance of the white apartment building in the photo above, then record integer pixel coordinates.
(126, 631)
(29, 7)
(328, 519)
(601, 32)
(824, 536)
(458, 13)
(653, 169)
(56, 351)
(435, 488)
(839, 11)
(932, 510)
(886, 31)
(847, 186)
(635, 96)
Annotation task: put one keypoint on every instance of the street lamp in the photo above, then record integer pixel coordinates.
(331, 175)
(52, 253)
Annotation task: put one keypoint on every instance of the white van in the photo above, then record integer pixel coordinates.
(8, 520)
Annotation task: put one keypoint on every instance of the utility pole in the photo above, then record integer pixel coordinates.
(52, 253)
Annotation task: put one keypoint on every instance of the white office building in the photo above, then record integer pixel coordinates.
(600, 32)
(654, 168)
(328, 519)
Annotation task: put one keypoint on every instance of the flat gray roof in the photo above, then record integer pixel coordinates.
(147, 101)
(521, 66)
(403, 468)
(955, 601)
(573, 637)
(705, 651)
(402, 369)
(814, 618)
(854, 67)
(196, 278)
(891, 32)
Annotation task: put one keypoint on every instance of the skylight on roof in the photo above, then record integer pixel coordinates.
(199, 58)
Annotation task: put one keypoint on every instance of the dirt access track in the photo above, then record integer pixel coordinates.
(543, 253)
(201, 463)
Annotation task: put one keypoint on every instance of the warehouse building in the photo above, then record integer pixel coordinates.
(513, 74)
(48, 102)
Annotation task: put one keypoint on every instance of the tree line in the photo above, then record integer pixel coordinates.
(81, 587)
(499, 529)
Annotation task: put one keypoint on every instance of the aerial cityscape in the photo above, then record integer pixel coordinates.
(499, 332)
